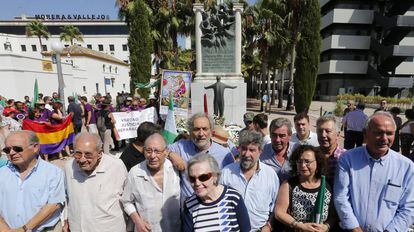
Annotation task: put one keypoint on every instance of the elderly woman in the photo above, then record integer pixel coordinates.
(203, 210)
(297, 196)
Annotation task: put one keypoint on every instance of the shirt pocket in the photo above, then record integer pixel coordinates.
(392, 195)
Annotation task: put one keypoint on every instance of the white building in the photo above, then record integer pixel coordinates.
(367, 47)
(98, 64)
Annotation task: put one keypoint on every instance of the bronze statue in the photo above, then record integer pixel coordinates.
(218, 102)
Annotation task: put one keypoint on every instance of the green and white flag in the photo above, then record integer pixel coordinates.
(170, 129)
(35, 93)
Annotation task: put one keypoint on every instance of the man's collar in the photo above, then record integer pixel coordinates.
(381, 160)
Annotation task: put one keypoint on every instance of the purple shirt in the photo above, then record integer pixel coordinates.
(355, 120)
(88, 107)
(44, 117)
(332, 163)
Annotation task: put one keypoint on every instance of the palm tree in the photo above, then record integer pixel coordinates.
(38, 29)
(70, 33)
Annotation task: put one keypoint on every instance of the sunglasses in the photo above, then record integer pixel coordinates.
(201, 178)
(79, 154)
(17, 149)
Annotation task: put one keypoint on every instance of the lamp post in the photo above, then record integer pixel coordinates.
(57, 47)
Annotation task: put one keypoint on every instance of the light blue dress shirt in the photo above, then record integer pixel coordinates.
(268, 157)
(375, 195)
(259, 193)
(21, 200)
(187, 149)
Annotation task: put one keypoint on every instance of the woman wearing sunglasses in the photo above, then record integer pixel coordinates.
(212, 207)
(297, 196)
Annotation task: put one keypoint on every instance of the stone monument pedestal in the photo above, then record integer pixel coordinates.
(234, 99)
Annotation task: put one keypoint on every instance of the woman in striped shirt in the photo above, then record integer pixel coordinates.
(212, 207)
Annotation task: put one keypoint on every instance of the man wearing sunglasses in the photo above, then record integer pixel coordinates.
(32, 192)
(94, 186)
(200, 127)
(257, 182)
(152, 192)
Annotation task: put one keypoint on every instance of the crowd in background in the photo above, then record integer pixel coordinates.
(279, 176)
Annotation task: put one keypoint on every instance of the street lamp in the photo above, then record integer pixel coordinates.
(57, 47)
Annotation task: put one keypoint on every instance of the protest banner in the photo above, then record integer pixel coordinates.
(177, 83)
(126, 123)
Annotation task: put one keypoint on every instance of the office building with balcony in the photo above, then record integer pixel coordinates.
(367, 48)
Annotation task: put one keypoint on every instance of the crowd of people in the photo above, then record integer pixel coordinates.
(269, 181)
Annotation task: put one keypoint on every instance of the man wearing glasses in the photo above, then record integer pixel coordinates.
(152, 192)
(94, 186)
(32, 192)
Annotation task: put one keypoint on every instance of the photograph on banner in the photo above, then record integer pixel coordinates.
(126, 123)
(177, 83)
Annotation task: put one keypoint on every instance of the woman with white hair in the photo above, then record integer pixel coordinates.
(203, 210)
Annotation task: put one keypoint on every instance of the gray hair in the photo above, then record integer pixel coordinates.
(31, 136)
(96, 138)
(378, 113)
(156, 136)
(204, 157)
(247, 137)
(279, 122)
(327, 118)
(190, 122)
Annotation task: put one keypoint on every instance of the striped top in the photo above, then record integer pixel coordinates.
(227, 213)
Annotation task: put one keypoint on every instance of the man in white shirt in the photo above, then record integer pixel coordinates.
(94, 186)
(152, 192)
(303, 135)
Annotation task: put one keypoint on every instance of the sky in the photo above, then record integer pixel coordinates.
(12, 8)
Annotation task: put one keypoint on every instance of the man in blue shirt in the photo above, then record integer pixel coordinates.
(256, 182)
(35, 192)
(277, 153)
(200, 127)
(373, 188)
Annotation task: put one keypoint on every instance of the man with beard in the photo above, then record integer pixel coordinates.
(277, 153)
(200, 127)
(256, 182)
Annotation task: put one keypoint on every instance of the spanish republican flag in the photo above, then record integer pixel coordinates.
(53, 138)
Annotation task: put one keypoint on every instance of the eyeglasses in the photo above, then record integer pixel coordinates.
(306, 162)
(201, 178)
(87, 155)
(150, 151)
(17, 149)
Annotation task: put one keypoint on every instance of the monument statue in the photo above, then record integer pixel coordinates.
(218, 101)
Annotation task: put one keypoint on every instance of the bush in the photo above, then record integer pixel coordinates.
(404, 103)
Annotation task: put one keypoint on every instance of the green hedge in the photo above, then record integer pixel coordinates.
(400, 102)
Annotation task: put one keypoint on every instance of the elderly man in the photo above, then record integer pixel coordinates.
(94, 185)
(200, 127)
(373, 188)
(152, 193)
(326, 129)
(32, 190)
(303, 135)
(257, 182)
(354, 122)
(383, 106)
(277, 153)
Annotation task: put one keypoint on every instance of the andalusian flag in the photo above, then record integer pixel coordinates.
(35, 94)
(52, 138)
(319, 203)
(170, 130)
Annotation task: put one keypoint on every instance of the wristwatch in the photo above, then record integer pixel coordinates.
(26, 229)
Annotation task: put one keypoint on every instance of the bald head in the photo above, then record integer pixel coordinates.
(86, 137)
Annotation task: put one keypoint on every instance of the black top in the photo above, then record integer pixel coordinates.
(131, 157)
(77, 113)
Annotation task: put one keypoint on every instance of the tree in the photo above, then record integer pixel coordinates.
(37, 28)
(296, 9)
(70, 33)
(307, 62)
(140, 45)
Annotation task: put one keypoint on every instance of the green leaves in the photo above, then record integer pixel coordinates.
(70, 33)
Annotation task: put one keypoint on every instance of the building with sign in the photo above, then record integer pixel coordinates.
(98, 64)
(367, 47)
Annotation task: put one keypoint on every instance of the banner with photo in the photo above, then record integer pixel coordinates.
(126, 123)
(177, 82)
